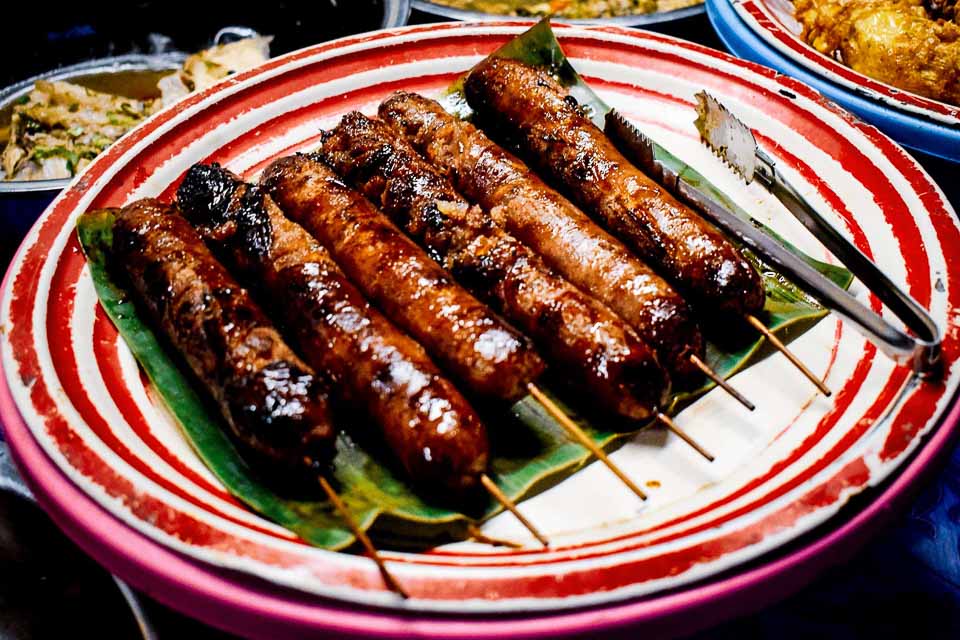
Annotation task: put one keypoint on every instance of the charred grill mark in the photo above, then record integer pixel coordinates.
(536, 114)
(275, 406)
(376, 368)
(399, 277)
(237, 209)
(500, 270)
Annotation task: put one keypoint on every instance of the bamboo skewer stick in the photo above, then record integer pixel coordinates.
(508, 504)
(574, 430)
(479, 536)
(782, 348)
(362, 536)
(670, 424)
(720, 382)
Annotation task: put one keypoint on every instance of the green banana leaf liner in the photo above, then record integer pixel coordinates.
(534, 451)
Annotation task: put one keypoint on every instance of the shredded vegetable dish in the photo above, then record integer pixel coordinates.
(59, 127)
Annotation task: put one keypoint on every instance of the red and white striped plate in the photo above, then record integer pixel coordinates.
(780, 471)
(773, 21)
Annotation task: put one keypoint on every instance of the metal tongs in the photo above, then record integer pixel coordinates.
(734, 142)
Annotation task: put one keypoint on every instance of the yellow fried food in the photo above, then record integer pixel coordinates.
(895, 41)
(573, 9)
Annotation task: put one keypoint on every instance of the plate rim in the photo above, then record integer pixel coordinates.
(721, 57)
(216, 597)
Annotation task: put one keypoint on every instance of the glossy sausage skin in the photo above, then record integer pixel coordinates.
(463, 335)
(584, 339)
(374, 367)
(272, 401)
(530, 108)
(566, 238)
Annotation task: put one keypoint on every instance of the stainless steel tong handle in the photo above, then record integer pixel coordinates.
(922, 352)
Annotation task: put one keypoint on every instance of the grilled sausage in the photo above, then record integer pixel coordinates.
(436, 436)
(538, 115)
(462, 334)
(577, 332)
(273, 403)
(551, 225)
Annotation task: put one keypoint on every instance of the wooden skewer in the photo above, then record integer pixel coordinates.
(670, 424)
(508, 504)
(574, 430)
(782, 348)
(481, 537)
(720, 382)
(362, 536)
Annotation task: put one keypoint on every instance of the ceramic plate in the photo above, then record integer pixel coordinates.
(780, 471)
(773, 21)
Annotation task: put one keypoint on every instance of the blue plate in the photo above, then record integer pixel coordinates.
(911, 131)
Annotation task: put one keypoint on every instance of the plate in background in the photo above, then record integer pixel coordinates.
(910, 120)
(773, 21)
(636, 20)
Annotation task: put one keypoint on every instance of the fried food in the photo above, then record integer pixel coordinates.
(910, 44)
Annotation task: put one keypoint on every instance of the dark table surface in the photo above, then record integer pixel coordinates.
(904, 583)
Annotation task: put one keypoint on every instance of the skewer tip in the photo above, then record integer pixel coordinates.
(479, 536)
(363, 538)
(782, 348)
(670, 424)
(509, 505)
(577, 433)
(720, 382)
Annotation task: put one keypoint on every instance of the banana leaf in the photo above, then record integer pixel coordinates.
(537, 453)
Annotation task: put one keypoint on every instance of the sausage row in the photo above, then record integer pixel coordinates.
(374, 368)
(490, 357)
(523, 251)
(551, 225)
(594, 346)
(535, 112)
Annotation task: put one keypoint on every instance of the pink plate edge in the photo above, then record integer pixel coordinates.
(255, 609)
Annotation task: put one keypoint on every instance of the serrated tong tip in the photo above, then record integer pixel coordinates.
(731, 140)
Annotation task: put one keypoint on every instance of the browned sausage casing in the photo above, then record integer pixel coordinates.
(551, 225)
(537, 114)
(460, 332)
(426, 423)
(586, 340)
(271, 400)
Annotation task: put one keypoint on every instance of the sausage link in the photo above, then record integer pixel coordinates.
(430, 428)
(551, 225)
(579, 333)
(461, 333)
(273, 403)
(535, 112)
